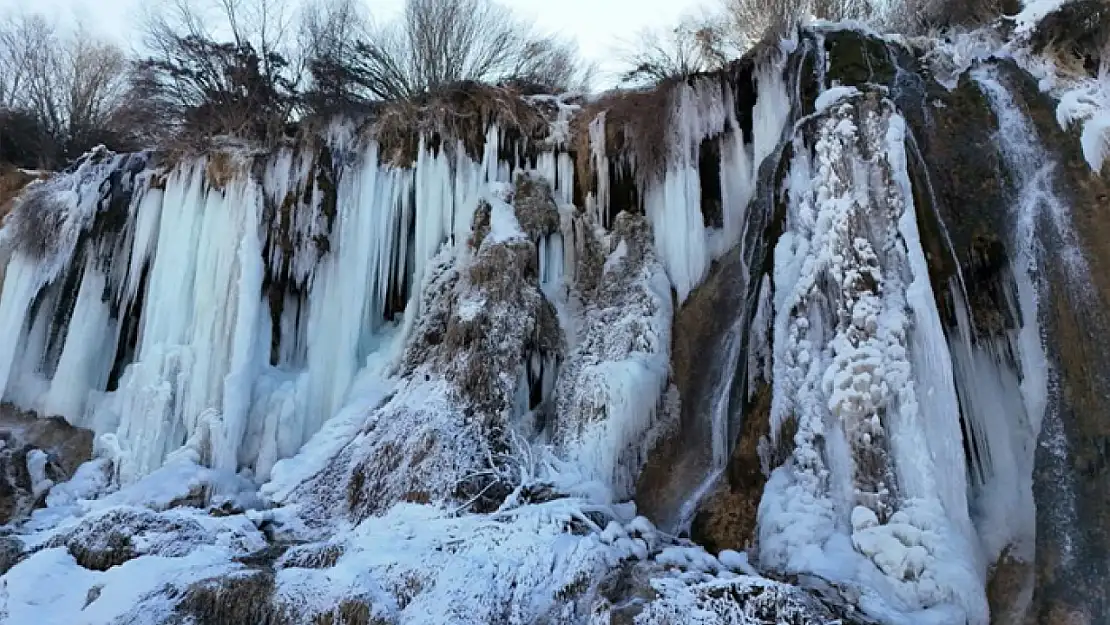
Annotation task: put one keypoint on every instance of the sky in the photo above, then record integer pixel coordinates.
(599, 26)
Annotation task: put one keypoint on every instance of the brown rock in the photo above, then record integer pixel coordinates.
(21, 433)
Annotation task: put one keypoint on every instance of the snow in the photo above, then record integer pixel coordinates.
(737, 562)
(1033, 12)
(367, 393)
(503, 224)
(36, 469)
(833, 95)
(50, 588)
(460, 569)
(736, 600)
(1096, 140)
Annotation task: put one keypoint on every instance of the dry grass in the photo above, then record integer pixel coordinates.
(36, 222)
(12, 181)
(368, 487)
(349, 612)
(636, 126)
(921, 17)
(236, 599)
(463, 111)
(535, 206)
(223, 167)
(317, 556)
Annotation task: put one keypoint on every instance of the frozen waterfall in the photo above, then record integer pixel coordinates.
(257, 291)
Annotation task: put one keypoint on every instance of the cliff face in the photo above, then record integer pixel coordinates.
(812, 338)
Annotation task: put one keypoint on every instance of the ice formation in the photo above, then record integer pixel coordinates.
(704, 110)
(428, 391)
(245, 337)
(862, 369)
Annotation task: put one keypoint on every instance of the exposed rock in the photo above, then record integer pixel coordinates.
(1071, 577)
(11, 553)
(118, 535)
(857, 59)
(626, 590)
(534, 206)
(677, 465)
(30, 445)
(727, 517)
(1010, 589)
(1079, 31)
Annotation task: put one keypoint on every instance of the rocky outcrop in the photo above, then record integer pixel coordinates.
(445, 433)
(35, 454)
(1073, 551)
(114, 536)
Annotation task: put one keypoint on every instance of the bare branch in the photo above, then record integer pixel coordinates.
(687, 49)
(438, 43)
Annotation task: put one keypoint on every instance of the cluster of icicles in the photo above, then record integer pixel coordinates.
(178, 295)
(158, 332)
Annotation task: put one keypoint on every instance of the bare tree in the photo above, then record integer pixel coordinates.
(437, 43)
(60, 93)
(923, 16)
(22, 36)
(329, 37)
(691, 47)
(221, 68)
(750, 21)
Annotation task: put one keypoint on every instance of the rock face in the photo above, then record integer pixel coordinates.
(1072, 476)
(35, 454)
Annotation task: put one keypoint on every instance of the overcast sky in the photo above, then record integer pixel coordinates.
(597, 25)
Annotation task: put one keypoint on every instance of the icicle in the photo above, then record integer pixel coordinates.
(673, 201)
(346, 301)
(86, 358)
(246, 354)
(769, 116)
(21, 283)
(598, 203)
